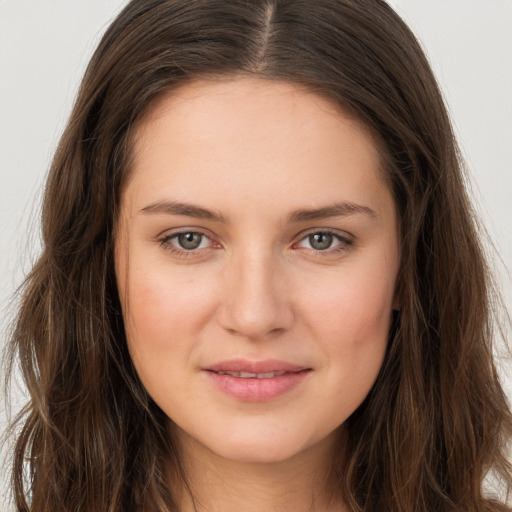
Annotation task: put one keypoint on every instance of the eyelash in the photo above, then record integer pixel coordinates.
(166, 243)
(344, 243)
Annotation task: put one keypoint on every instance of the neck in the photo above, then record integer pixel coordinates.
(302, 483)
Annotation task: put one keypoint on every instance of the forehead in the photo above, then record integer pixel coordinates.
(250, 135)
(248, 103)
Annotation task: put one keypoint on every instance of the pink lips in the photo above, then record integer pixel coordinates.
(255, 381)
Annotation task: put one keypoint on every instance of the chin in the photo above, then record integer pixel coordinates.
(258, 452)
(261, 446)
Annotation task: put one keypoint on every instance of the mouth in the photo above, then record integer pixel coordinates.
(256, 381)
(249, 375)
(249, 369)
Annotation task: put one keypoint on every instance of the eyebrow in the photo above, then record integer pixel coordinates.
(340, 209)
(189, 210)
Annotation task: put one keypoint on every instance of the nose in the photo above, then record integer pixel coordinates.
(256, 300)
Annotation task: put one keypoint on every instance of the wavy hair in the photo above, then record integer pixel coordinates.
(435, 423)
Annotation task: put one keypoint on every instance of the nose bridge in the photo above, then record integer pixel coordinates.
(255, 301)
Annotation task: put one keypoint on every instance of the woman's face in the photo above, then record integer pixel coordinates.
(256, 262)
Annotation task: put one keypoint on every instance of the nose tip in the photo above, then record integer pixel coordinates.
(255, 321)
(255, 301)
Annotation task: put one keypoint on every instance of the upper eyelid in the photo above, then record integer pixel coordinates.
(165, 241)
(340, 234)
(170, 233)
(331, 231)
(167, 238)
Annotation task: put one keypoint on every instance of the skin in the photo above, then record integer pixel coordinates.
(258, 286)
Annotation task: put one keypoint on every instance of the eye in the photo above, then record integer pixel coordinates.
(186, 241)
(320, 241)
(324, 240)
(190, 241)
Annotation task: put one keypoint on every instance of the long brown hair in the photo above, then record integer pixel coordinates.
(435, 423)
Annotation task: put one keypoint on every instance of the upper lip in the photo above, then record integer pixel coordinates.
(265, 366)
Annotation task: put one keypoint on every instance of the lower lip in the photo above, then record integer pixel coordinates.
(257, 390)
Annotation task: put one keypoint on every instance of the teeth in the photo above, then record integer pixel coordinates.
(249, 375)
(269, 375)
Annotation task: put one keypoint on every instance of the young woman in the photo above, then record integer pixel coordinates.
(261, 286)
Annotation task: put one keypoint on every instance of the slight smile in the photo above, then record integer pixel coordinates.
(256, 381)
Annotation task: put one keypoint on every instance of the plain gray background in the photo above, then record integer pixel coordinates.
(45, 45)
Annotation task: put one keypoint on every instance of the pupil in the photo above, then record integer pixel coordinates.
(189, 240)
(320, 241)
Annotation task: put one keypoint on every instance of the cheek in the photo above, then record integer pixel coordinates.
(351, 323)
(352, 306)
(350, 318)
(163, 305)
(163, 312)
